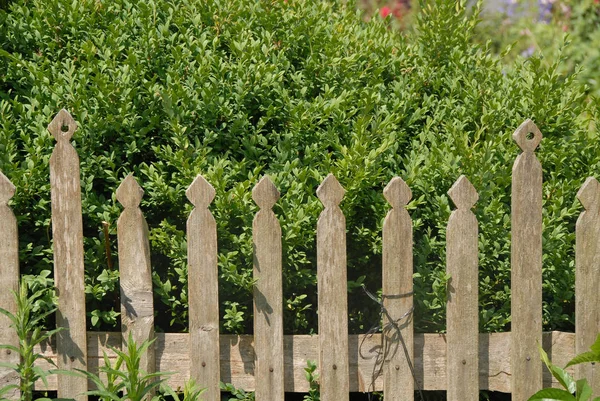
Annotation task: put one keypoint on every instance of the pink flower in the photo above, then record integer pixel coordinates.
(385, 11)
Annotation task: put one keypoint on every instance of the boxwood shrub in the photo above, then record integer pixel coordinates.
(296, 89)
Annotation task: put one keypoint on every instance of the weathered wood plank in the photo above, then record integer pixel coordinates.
(526, 264)
(333, 293)
(9, 285)
(462, 315)
(237, 358)
(203, 290)
(268, 295)
(398, 337)
(137, 305)
(587, 279)
(67, 238)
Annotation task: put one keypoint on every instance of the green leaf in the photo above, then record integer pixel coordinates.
(552, 394)
(596, 346)
(560, 374)
(584, 391)
(584, 358)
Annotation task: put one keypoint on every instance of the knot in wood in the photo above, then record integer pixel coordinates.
(265, 193)
(520, 136)
(330, 192)
(63, 126)
(589, 194)
(397, 193)
(463, 193)
(7, 189)
(200, 192)
(129, 193)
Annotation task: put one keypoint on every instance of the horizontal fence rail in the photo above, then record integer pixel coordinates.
(237, 358)
(396, 361)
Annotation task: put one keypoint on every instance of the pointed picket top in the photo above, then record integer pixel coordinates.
(129, 193)
(589, 194)
(463, 194)
(265, 193)
(397, 193)
(200, 192)
(62, 119)
(7, 189)
(330, 192)
(521, 133)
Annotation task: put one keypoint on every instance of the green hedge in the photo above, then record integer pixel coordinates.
(236, 89)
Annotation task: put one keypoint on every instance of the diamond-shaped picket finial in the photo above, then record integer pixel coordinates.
(129, 193)
(330, 192)
(62, 126)
(520, 136)
(589, 194)
(7, 189)
(463, 193)
(265, 193)
(200, 192)
(397, 193)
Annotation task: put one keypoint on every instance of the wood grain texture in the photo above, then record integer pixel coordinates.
(587, 279)
(462, 315)
(237, 359)
(67, 243)
(526, 264)
(398, 337)
(9, 285)
(203, 290)
(332, 293)
(268, 295)
(137, 306)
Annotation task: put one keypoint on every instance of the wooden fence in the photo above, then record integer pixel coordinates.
(396, 361)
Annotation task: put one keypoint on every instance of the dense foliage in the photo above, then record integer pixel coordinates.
(235, 89)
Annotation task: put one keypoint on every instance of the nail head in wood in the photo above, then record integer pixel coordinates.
(200, 192)
(129, 193)
(463, 193)
(330, 192)
(62, 119)
(397, 193)
(589, 194)
(265, 193)
(520, 136)
(7, 189)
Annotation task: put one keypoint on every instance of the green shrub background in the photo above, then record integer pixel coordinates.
(234, 90)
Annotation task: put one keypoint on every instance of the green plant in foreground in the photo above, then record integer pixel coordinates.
(191, 391)
(131, 383)
(574, 390)
(237, 393)
(313, 382)
(29, 330)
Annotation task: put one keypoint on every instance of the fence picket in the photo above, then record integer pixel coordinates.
(268, 295)
(137, 307)
(333, 293)
(67, 237)
(462, 324)
(9, 271)
(398, 345)
(526, 264)
(203, 290)
(587, 279)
